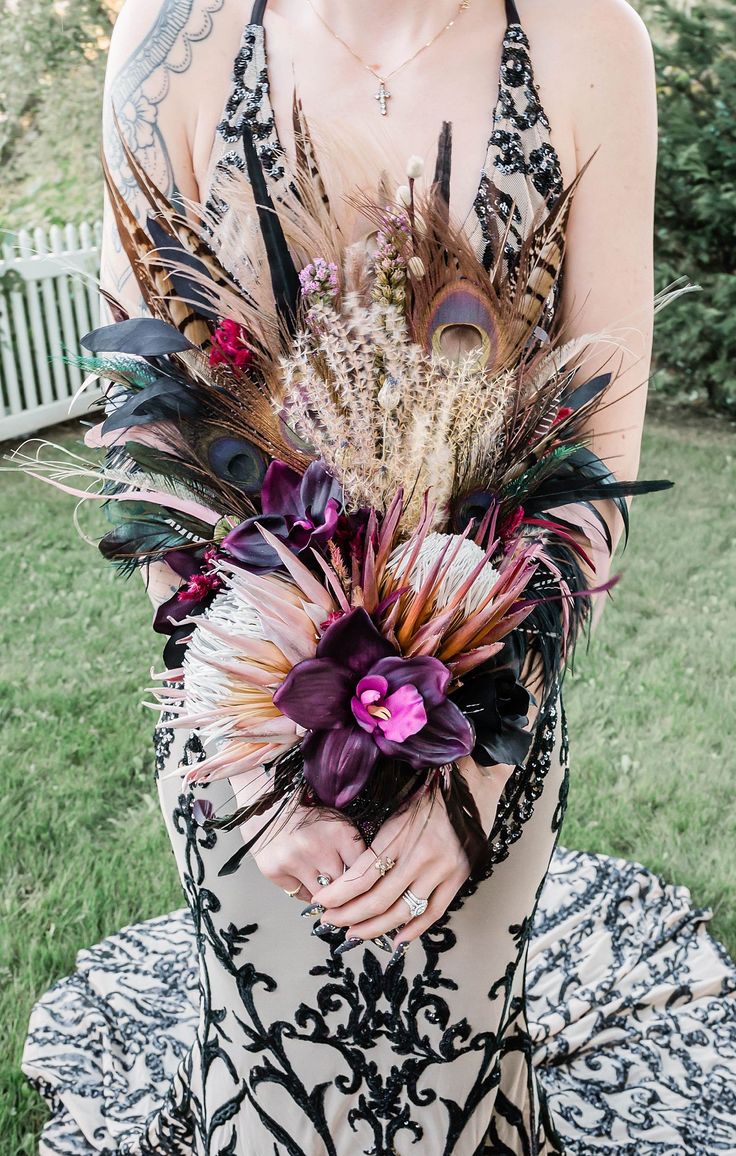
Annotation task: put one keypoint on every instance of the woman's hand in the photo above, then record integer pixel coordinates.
(296, 849)
(430, 862)
(306, 845)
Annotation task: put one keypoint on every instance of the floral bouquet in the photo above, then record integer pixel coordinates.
(367, 464)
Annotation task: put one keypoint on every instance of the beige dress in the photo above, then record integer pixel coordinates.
(228, 1030)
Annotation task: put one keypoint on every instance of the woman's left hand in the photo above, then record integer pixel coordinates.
(429, 860)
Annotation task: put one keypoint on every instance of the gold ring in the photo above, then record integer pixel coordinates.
(291, 894)
(384, 868)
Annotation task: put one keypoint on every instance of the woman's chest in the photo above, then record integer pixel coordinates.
(487, 91)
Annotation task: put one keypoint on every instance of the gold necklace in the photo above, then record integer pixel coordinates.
(383, 95)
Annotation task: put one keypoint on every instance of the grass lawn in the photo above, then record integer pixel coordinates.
(83, 849)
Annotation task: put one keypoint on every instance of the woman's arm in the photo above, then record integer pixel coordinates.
(609, 265)
(609, 268)
(148, 98)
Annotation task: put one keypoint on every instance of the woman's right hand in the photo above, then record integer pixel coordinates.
(307, 844)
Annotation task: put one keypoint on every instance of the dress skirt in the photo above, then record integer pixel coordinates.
(581, 1011)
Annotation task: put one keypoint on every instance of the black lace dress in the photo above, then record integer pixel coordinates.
(566, 1003)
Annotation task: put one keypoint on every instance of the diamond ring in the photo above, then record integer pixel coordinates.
(382, 867)
(416, 905)
(323, 879)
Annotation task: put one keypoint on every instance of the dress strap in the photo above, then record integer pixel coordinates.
(259, 7)
(512, 14)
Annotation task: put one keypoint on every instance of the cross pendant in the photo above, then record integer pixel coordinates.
(382, 96)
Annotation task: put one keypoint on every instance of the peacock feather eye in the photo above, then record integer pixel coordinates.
(461, 322)
(238, 463)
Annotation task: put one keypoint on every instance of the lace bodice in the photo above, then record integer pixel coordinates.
(520, 160)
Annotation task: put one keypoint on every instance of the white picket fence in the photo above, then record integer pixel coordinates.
(48, 301)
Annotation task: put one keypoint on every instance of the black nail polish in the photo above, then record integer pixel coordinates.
(384, 942)
(399, 953)
(323, 930)
(313, 909)
(351, 942)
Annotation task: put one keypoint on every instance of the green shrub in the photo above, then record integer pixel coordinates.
(695, 351)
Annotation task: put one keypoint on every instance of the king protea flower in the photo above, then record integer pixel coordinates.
(243, 648)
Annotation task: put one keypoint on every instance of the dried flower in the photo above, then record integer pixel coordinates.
(229, 346)
(403, 196)
(414, 167)
(415, 266)
(318, 281)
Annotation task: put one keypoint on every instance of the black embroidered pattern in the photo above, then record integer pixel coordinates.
(637, 1039)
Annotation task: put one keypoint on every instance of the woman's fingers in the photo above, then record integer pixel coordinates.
(360, 877)
(371, 902)
(440, 894)
(363, 873)
(289, 883)
(350, 845)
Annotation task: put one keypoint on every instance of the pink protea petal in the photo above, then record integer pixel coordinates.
(303, 577)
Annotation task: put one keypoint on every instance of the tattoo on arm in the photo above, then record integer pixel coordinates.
(137, 92)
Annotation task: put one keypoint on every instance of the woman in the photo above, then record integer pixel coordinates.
(349, 1039)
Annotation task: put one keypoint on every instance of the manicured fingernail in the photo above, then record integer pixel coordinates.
(384, 942)
(399, 953)
(313, 909)
(351, 942)
(323, 930)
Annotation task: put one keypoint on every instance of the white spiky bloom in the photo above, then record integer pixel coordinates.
(241, 651)
(467, 555)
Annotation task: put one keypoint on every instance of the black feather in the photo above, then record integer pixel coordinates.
(142, 336)
(284, 277)
(443, 166)
(165, 400)
(587, 391)
(583, 477)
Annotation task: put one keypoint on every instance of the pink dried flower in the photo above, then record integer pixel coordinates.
(318, 280)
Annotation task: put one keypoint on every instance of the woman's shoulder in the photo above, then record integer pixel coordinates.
(166, 41)
(593, 61)
(172, 25)
(589, 34)
(170, 64)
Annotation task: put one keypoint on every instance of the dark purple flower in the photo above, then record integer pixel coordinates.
(300, 510)
(359, 699)
(193, 597)
(351, 534)
(497, 704)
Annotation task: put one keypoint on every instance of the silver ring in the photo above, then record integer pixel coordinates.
(416, 905)
(324, 880)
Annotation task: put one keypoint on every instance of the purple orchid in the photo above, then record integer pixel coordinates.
(300, 510)
(201, 584)
(359, 699)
